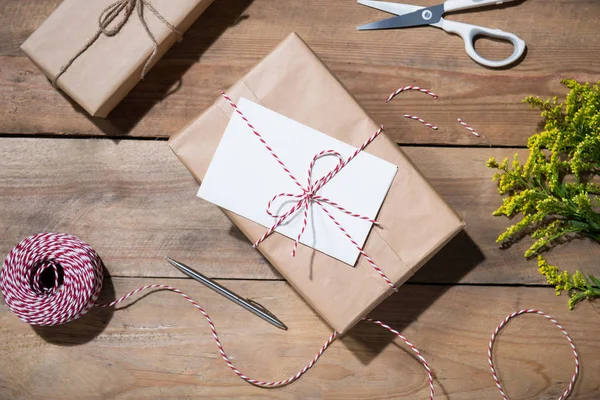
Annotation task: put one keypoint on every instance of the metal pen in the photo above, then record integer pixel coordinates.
(248, 304)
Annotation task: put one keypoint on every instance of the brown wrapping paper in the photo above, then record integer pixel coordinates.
(101, 77)
(416, 221)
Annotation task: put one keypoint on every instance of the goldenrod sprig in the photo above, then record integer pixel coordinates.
(577, 286)
(554, 192)
(550, 204)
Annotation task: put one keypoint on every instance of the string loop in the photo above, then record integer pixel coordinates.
(569, 389)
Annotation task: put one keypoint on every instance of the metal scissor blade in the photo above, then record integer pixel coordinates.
(425, 16)
(392, 8)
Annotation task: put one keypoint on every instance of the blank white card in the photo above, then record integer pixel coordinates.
(243, 176)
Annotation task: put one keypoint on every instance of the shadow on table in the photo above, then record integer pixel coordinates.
(164, 78)
(86, 328)
(448, 266)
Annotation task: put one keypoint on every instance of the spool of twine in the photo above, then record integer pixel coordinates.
(50, 279)
(53, 278)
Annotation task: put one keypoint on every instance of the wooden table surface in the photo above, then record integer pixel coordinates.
(115, 184)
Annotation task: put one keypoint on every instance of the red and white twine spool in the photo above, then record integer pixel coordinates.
(49, 279)
(53, 278)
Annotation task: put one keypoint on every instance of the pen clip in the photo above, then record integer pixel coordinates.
(262, 308)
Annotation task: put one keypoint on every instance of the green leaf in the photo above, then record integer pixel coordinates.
(595, 280)
(592, 235)
(580, 226)
(576, 298)
(595, 225)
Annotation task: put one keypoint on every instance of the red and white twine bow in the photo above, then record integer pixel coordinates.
(309, 193)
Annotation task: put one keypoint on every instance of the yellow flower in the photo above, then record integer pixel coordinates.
(492, 163)
(579, 280)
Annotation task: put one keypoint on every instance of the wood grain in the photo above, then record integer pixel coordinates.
(135, 203)
(161, 348)
(232, 36)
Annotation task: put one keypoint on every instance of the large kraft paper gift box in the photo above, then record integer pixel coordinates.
(415, 221)
(112, 65)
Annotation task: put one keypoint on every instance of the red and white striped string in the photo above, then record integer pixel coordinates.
(427, 124)
(414, 117)
(406, 88)
(309, 193)
(468, 127)
(421, 120)
(76, 272)
(49, 279)
(559, 326)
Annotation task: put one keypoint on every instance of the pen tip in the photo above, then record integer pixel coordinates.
(281, 325)
(171, 261)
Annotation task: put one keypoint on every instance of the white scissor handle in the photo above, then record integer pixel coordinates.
(468, 32)
(455, 5)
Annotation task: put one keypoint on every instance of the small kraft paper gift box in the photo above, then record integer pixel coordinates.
(299, 117)
(96, 51)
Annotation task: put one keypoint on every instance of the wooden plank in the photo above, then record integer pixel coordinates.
(135, 203)
(161, 347)
(233, 36)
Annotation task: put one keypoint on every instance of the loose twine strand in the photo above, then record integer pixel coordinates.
(410, 116)
(421, 120)
(123, 8)
(559, 326)
(468, 127)
(405, 88)
(427, 124)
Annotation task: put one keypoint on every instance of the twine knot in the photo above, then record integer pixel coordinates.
(123, 9)
(308, 196)
(110, 13)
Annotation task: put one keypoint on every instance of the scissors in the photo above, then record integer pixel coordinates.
(408, 15)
